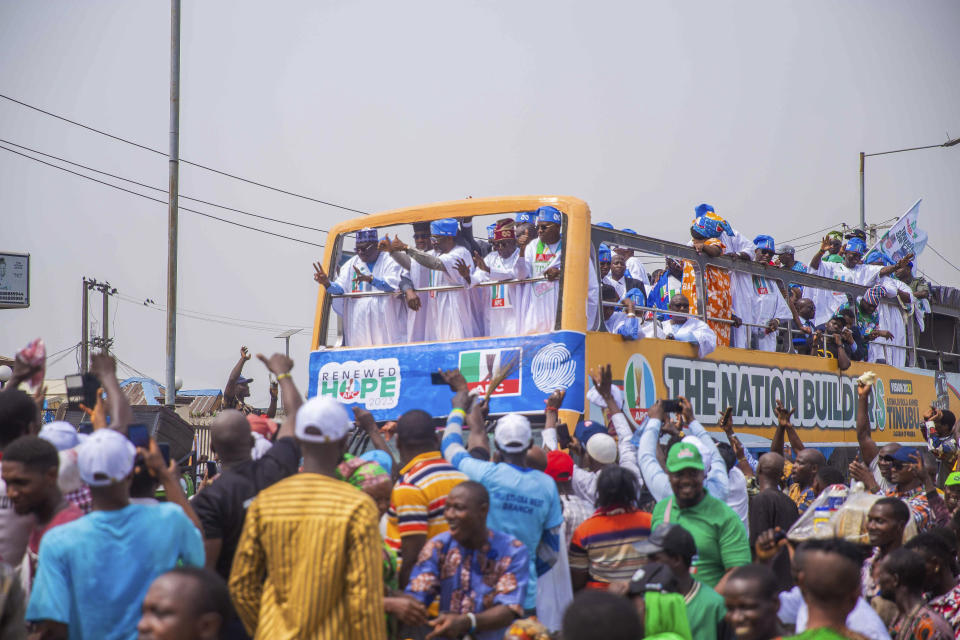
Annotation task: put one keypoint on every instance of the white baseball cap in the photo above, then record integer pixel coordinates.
(513, 433)
(602, 448)
(704, 452)
(105, 458)
(60, 434)
(327, 416)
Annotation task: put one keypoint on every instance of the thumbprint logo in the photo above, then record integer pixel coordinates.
(553, 368)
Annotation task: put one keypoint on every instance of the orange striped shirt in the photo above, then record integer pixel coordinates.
(309, 563)
(604, 544)
(418, 499)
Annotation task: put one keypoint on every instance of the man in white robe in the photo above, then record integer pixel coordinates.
(850, 270)
(501, 304)
(367, 320)
(892, 351)
(686, 329)
(768, 302)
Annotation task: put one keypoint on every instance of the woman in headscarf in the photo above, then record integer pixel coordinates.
(706, 231)
(373, 479)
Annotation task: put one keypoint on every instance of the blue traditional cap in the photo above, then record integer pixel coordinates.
(587, 429)
(603, 253)
(704, 208)
(490, 229)
(629, 230)
(765, 242)
(605, 225)
(856, 245)
(549, 214)
(445, 227)
(633, 294)
(875, 257)
(524, 216)
(367, 235)
(874, 294)
(710, 225)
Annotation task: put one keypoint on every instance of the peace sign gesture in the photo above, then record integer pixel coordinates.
(320, 275)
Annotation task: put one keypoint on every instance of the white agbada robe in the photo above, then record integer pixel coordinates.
(892, 320)
(417, 320)
(768, 303)
(693, 330)
(828, 302)
(637, 271)
(741, 286)
(373, 320)
(502, 304)
(540, 298)
(449, 313)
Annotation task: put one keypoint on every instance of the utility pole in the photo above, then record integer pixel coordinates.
(286, 346)
(172, 221)
(85, 330)
(103, 342)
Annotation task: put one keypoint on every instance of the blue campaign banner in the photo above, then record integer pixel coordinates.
(391, 380)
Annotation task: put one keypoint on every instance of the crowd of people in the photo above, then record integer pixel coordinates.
(665, 530)
(450, 286)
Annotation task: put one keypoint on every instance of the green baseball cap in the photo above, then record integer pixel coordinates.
(953, 479)
(684, 455)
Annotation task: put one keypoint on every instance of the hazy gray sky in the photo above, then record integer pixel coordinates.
(643, 109)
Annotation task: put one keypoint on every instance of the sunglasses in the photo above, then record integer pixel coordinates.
(499, 243)
(546, 225)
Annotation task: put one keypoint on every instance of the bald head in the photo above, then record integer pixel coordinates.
(770, 466)
(230, 435)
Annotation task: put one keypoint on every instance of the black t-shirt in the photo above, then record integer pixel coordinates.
(222, 506)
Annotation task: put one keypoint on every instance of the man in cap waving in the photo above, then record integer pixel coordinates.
(374, 319)
(523, 502)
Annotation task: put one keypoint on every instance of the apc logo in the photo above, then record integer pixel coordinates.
(879, 406)
(639, 388)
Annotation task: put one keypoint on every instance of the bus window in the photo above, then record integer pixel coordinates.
(449, 279)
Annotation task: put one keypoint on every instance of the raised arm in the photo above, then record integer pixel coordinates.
(603, 381)
(280, 366)
(274, 394)
(230, 389)
(868, 448)
(169, 477)
(366, 421)
(824, 247)
(901, 263)
(717, 480)
(426, 260)
(653, 474)
(105, 368)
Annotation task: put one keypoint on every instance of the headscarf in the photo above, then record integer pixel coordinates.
(379, 456)
(856, 245)
(710, 225)
(765, 242)
(874, 294)
(703, 209)
(361, 473)
(666, 614)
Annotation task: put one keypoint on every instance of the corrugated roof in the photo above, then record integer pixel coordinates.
(191, 403)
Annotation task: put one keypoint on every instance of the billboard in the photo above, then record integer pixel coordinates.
(14, 280)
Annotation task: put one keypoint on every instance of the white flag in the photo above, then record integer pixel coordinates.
(904, 237)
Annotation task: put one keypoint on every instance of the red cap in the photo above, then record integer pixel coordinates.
(262, 425)
(559, 466)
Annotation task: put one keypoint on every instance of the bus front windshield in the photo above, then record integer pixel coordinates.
(448, 279)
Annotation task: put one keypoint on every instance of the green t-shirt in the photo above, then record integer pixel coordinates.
(705, 610)
(824, 633)
(718, 531)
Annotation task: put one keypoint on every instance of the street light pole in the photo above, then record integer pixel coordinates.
(864, 156)
(170, 390)
(286, 345)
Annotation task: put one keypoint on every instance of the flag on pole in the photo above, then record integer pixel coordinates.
(904, 237)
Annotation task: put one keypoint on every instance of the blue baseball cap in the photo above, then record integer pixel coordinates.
(587, 429)
(549, 214)
(445, 227)
(765, 242)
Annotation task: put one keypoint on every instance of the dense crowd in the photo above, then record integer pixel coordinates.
(509, 285)
(607, 531)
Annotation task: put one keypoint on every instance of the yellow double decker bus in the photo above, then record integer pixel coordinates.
(389, 379)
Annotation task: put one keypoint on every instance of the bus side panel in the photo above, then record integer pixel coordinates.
(391, 380)
(751, 381)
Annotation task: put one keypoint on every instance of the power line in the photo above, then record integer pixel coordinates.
(943, 258)
(148, 302)
(184, 314)
(163, 202)
(147, 186)
(195, 164)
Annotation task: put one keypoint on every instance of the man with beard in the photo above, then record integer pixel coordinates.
(720, 536)
(367, 320)
(900, 577)
(502, 302)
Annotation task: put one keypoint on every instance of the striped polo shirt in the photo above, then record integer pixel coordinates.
(604, 543)
(416, 505)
